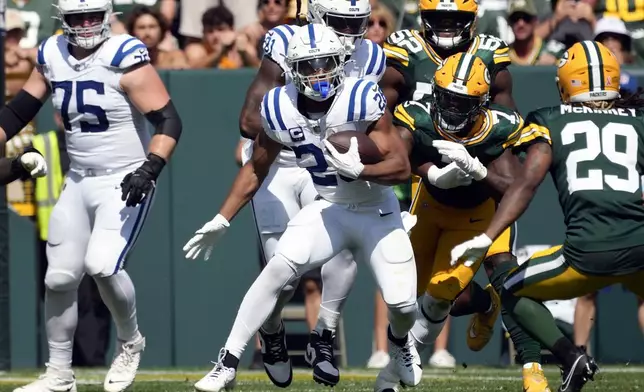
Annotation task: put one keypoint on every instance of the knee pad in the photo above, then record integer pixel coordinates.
(404, 308)
(58, 280)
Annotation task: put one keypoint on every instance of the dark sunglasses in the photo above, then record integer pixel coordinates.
(381, 23)
(517, 16)
(267, 2)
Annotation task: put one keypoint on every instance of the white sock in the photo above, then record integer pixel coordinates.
(338, 276)
(430, 319)
(117, 292)
(258, 303)
(61, 318)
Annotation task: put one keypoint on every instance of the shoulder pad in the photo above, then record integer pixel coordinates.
(507, 125)
(412, 115)
(499, 49)
(124, 51)
(46, 46)
(370, 57)
(535, 129)
(271, 113)
(276, 43)
(400, 46)
(366, 102)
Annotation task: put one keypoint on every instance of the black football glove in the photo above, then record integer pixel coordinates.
(136, 186)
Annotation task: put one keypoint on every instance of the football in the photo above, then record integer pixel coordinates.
(369, 153)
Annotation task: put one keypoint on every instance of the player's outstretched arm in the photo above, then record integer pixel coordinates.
(519, 194)
(251, 175)
(395, 167)
(501, 173)
(24, 106)
(269, 75)
(147, 92)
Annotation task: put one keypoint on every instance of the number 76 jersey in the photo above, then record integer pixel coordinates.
(597, 164)
(103, 129)
(356, 105)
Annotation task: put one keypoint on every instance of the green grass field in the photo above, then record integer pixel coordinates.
(612, 378)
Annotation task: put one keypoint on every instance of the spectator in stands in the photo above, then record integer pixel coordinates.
(17, 61)
(571, 21)
(166, 9)
(192, 11)
(250, 40)
(150, 27)
(527, 48)
(381, 24)
(217, 49)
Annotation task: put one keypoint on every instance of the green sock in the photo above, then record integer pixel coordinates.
(534, 318)
(528, 350)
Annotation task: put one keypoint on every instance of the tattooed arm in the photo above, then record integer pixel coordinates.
(518, 196)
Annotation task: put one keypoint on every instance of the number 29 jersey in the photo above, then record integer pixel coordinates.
(597, 163)
(356, 105)
(104, 131)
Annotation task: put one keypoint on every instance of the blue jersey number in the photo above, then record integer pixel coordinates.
(81, 86)
(380, 100)
(320, 167)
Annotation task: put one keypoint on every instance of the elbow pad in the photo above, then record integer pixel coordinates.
(166, 121)
(18, 112)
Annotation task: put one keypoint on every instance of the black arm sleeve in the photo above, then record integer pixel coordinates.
(18, 112)
(11, 169)
(166, 121)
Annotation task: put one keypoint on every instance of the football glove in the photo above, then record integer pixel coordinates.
(469, 252)
(141, 182)
(457, 153)
(206, 238)
(450, 176)
(347, 164)
(34, 163)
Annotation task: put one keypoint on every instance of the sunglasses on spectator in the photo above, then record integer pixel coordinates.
(380, 22)
(276, 2)
(517, 16)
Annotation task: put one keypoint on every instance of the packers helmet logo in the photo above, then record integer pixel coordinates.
(563, 60)
(486, 76)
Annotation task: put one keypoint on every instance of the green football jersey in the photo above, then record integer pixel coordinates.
(408, 52)
(597, 164)
(498, 129)
(37, 15)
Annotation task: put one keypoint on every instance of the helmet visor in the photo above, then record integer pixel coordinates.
(350, 26)
(452, 111)
(319, 74)
(446, 24)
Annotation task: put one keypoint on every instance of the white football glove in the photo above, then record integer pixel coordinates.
(469, 252)
(457, 153)
(408, 220)
(34, 163)
(450, 176)
(347, 164)
(206, 238)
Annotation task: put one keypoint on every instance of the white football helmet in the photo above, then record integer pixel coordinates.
(348, 18)
(316, 58)
(85, 35)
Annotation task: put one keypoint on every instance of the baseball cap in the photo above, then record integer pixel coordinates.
(523, 6)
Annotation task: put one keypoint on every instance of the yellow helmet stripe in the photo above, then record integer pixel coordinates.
(595, 65)
(463, 68)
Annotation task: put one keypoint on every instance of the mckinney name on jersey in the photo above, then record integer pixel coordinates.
(104, 130)
(356, 105)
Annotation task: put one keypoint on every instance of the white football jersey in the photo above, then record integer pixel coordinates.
(103, 129)
(356, 105)
(368, 61)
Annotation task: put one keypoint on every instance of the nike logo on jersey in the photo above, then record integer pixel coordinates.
(385, 214)
(475, 220)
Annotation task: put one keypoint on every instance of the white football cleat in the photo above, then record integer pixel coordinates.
(220, 378)
(442, 359)
(406, 362)
(378, 360)
(124, 366)
(387, 380)
(54, 380)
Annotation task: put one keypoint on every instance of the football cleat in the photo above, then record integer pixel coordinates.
(575, 377)
(275, 356)
(479, 331)
(319, 355)
(124, 366)
(54, 380)
(220, 378)
(406, 362)
(534, 380)
(387, 380)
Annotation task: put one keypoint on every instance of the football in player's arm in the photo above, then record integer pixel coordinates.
(143, 86)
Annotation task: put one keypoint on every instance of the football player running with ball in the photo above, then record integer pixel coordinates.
(287, 187)
(356, 208)
(104, 89)
(593, 146)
